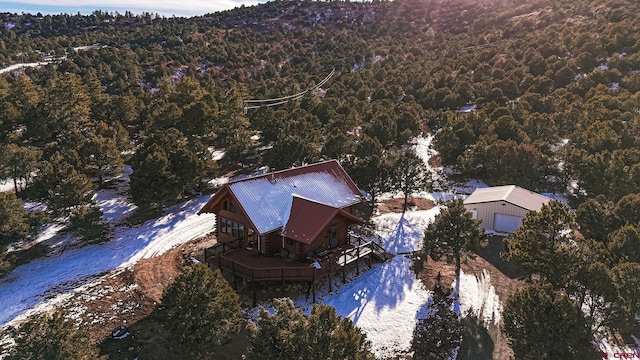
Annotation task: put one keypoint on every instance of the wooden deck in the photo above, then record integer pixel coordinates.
(247, 264)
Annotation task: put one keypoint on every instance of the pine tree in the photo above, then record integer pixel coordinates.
(87, 221)
(201, 310)
(333, 337)
(19, 163)
(101, 157)
(596, 218)
(289, 334)
(152, 185)
(14, 222)
(163, 169)
(439, 334)
(410, 175)
(544, 324)
(61, 185)
(453, 234)
(370, 168)
(624, 244)
(53, 337)
(278, 336)
(542, 244)
(626, 277)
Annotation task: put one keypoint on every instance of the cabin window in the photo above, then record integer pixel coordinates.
(228, 205)
(237, 230)
(231, 228)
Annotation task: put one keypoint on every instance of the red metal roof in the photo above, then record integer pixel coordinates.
(308, 218)
(266, 199)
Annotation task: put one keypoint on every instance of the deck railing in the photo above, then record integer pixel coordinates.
(221, 248)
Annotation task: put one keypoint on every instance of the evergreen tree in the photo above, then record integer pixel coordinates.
(278, 336)
(544, 324)
(626, 277)
(19, 163)
(87, 221)
(542, 244)
(201, 310)
(163, 169)
(370, 168)
(152, 184)
(288, 334)
(53, 337)
(61, 185)
(439, 334)
(624, 244)
(592, 287)
(410, 175)
(453, 234)
(627, 210)
(596, 218)
(333, 337)
(14, 224)
(101, 157)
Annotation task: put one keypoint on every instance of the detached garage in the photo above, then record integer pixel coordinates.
(502, 208)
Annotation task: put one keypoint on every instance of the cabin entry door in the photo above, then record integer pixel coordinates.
(333, 234)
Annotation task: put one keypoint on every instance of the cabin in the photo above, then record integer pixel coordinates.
(295, 214)
(502, 208)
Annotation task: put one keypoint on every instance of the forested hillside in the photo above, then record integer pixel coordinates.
(542, 94)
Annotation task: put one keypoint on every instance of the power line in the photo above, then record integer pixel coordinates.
(285, 99)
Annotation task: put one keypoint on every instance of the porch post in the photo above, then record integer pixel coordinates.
(233, 271)
(330, 277)
(358, 260)
(253, 285)
(282, 277)
(344, 265)
(313, 285)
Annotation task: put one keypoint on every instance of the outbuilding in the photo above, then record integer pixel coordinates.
(502, 208)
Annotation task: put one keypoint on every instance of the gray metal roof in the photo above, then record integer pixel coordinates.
(510, 193)
(267, 201)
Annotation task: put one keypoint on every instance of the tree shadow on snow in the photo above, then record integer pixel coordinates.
(383, 287)
(476, 341)
(404, 238)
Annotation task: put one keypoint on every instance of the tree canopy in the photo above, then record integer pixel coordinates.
(200, 310)
(453, 234)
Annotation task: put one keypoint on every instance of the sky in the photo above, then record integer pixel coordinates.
(168, 8)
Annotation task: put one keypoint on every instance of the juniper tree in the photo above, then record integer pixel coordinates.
(438, 334)
(200, 310)
(52, 337)
(289, 334)
(545, 324)
(14, 222)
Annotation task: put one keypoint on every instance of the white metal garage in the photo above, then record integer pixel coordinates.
(506, 223)
(502, 208)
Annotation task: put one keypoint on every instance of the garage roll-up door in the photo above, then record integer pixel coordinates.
(506, 223)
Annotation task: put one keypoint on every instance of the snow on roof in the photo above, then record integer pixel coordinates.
(267, 201)
(510, 193)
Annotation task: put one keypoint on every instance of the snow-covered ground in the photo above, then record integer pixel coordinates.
(385, 302)
(39, 281)
(22, 65)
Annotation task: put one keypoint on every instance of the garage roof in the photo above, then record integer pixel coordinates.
(510, 193)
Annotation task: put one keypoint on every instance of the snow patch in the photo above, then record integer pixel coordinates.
(478, 295)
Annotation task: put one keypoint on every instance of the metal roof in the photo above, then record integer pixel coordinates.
(267, 199)
(308, 218)
(510, 193)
